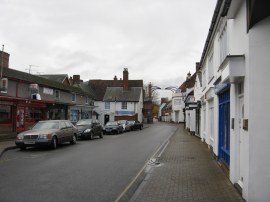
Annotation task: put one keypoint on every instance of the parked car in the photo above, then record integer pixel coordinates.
(123, 123)
(47, 133)
(89, 128)
(134, 125)
(113, 127)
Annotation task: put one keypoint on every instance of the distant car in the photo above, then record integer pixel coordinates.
(134, 125)
(123, 123)
(47, 133)
(89, 128)
(113, 127)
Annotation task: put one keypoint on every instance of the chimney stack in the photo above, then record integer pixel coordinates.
(76, 79)
(5, 57)
(125, 79)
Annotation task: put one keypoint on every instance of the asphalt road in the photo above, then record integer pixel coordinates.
(91, 170)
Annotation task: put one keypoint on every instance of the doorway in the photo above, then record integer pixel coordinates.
(224, 127)
(106, 118)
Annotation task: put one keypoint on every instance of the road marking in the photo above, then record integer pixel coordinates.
(164, 144)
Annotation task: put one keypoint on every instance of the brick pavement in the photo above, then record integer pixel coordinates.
(187, 173)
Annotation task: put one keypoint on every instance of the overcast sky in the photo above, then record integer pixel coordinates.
(159, 41)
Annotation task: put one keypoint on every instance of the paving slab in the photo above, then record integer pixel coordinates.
(187, 172)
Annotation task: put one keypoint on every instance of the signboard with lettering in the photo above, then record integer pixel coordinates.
(48, 91)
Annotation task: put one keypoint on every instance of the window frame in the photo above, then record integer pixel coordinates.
(124, 105)
(73, 97)
(107, 105)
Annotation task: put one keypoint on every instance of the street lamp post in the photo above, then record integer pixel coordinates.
(2, 61)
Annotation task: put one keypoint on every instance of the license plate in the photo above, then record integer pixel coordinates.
(29, 142)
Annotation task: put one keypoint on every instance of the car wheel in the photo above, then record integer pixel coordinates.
(118, 131)
(141, 128)
(54, 142)
(91, 136)
(101, 134)
(74, 139)
(22, 148)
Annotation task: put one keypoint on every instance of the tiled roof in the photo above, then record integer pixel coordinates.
(55, 77)
(188, 83)
(100, 86)
(87, 88)
(29, 78)
(117, 94)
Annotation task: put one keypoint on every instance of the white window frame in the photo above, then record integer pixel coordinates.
(107, 105)
(211, 66)
(124, 105)
(223, 43)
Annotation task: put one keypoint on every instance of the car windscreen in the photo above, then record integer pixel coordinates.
(47, 125)
(84, 122)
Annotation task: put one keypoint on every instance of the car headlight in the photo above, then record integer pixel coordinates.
(20, 136)
(87, 130)
(43, 136)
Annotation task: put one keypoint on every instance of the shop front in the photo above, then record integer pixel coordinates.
(18, 114)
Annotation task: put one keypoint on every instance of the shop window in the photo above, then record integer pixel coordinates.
(32, 115)
(86, 99)
(5, 114)
(74, 115)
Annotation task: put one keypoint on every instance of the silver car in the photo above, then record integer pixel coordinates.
(47, 133)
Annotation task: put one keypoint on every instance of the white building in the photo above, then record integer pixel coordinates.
(235, 103)
(118, 99)
(177, 106)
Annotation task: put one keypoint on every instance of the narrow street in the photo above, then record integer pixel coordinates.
(97, 170)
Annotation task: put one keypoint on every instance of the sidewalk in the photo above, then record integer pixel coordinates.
(7, 142)
(187, 173)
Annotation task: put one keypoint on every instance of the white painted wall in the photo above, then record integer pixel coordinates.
(177, 108)
(239, 45)
(258, 111)
(116, 106)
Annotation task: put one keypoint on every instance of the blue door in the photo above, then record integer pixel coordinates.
(224, 126)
